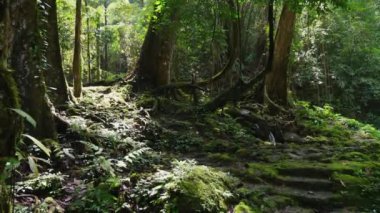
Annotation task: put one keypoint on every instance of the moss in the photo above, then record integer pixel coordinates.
(243, 153)
(243, 208)
(256, 171)
(221, 158)
(348, 180)
(45, 183)
(350, 188)
(277, 202)
(322, 121)
(318, 139)
(187, 188)
(354, 156)
(220, 145)
(145, 101)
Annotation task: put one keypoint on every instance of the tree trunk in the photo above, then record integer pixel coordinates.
(88, 43)
(106, 3)
(77, 61)
(10, 123)
(154, 64)
(27, 58)
(54, 74)
(98, 70)
(276, 79)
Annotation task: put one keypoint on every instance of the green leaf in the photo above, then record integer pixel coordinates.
(33, 166)
(39, 144)
(26, 116)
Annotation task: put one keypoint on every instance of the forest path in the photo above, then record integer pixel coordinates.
(318, 176)
(111, 135)
(294, 176)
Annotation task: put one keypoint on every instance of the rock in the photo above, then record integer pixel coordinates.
(293, 137)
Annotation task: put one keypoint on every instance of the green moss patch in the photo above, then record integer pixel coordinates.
(187, 188)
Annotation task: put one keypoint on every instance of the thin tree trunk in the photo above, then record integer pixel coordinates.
(88, 43)
(77, 61)
(54, 74)
(106, 3)
(276, 80)
(98, 70)
(10, 123)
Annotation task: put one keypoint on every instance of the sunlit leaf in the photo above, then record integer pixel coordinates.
(39, 144)
(26, 116)
(33, 166)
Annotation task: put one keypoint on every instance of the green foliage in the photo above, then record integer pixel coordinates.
(360, 187)
(25, 115)
(39, 144)
(336, 59)
(324, 122)
(187, 188)
(100, 198)
(225, 125)
(123, 35)
(222, 158)
(46, 183)
(243, 208)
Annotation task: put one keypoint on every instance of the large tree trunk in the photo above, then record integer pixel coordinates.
(10, 123)
(26, 60)
(276, 79)
(54, 75)
(154, 64)
(77, 61)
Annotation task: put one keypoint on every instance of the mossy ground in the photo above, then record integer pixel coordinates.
(112, 137)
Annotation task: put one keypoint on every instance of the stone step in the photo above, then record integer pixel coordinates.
(292, 209)
(311, 172)
(318, 200)
(304, 183)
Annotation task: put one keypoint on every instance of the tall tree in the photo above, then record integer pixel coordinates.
(27, 59)
(98, 74)
(54, 75)
(105, 61)
(154, 65)
(276, 80)
(77, 61)
(88, 49)
(10, 123)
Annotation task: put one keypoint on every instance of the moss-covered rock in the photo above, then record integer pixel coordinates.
(242, 207)
(220, 145)
(354, 156)
(45, 183)
(187, 188)
(221, 158)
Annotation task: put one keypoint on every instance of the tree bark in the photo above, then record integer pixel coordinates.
(106, 4)
(10, 123)
(97, 44)
(154, 65)
(54, 74)
(88, 43)
(77, 61)
(276, 80)
(27, 58)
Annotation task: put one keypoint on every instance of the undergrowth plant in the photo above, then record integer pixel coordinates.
(186, 188)
(323, 121)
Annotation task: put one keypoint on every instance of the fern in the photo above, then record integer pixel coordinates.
(134, 155)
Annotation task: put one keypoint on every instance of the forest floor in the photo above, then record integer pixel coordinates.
(119, 149)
